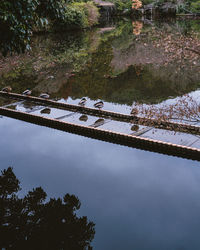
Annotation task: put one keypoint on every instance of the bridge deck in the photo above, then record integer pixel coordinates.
(174, 126)
(110, 126)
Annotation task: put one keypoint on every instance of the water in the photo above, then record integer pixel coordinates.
(127, 62)
(137, 199)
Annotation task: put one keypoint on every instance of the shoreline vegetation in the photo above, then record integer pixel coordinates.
(133, 61)
(19, 20)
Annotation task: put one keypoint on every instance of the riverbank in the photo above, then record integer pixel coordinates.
(18, 21)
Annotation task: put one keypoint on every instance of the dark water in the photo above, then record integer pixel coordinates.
(126, 62)
(137, 199)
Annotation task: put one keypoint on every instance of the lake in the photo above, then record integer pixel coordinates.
(137, 199)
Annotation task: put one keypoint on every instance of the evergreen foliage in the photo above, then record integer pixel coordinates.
(32, 223)
(18, 20)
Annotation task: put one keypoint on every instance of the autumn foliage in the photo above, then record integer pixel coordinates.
(137, 27)
(136, 4)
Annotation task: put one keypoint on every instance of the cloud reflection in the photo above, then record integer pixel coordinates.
(138, 200)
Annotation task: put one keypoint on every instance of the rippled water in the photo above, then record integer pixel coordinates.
(137, 199)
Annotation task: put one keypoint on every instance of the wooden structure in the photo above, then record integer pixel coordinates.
(136, 139)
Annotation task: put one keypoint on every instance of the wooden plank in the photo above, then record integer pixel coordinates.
(106, 135)
(167, 125)
(141, 131)
(189, 145)
(12, 104)
(65, 116)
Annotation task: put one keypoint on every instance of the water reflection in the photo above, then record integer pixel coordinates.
(33, 223)
(138, 200)
(137, 27)
(111, 64)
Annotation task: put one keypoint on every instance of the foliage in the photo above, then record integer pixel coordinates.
(144, 2)
(188, 6)
(122, 5)
(181, 6)
(52, 9)
(147, 68)
(74, 15)
(80, 15)
(32, 223)
(116, 66)
(18, 20)
(77, 1)
(91, 12)
(53, 54)
(195, 6)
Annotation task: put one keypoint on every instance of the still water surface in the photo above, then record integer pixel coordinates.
(130, 61)
(137, 199)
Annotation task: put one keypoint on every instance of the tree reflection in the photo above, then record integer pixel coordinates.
(33, 223)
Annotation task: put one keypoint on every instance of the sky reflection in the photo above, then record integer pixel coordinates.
(138, 200)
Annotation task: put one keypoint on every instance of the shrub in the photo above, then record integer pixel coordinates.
(123, 5)
(147, 2)
(195, 6)
(16, 21)
(79, 15)
(52, 9)
(19, 18)
(92, 13)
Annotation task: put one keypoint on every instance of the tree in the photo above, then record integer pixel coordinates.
(19, 18)
(32, 223)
